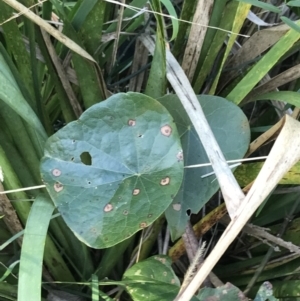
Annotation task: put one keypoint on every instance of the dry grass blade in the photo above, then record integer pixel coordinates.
(62, 75)
(196, 38)
(232, 193)
(284, 154)
(275, 82)
(266, 136)
(47, 27)
(10, 216)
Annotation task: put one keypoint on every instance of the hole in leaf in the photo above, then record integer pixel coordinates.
(125, 212)
(86, 158)
(188, 212)
(73, 141)
(89, 182)
(140, 136)
(72, 159)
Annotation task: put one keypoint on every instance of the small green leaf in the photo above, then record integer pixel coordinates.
(115, 170)
(231, 129)
(152, 279)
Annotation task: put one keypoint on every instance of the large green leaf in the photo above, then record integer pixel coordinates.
(152, 279)
(115, 170)
(231, 129)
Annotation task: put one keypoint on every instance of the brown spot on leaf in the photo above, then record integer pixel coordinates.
(136, 191)
(176, 207)
(58, 187)
(166, 130)
(165, 181)
(93, 230)
(131, 122)
(143, 225)
(179, 156)
(56, 172)
(108, 208)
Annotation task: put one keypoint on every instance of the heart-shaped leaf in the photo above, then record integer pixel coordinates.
(115, 170)
(152, 279)
(231, 129)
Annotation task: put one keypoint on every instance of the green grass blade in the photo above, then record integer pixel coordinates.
(262, 5)
(16, 46)
(215, 19)
(262, 67)
(64, 104)
(82, 12)
(91, 30)
(290, 97)
(157, 81)
(95, 288)
(187, 8)
(208, 62)
(172, 12)
(9, 270)
(15, 125)
(8, 291)
(239, 18)
(290, 23)
(11, 94)
(31, 262)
